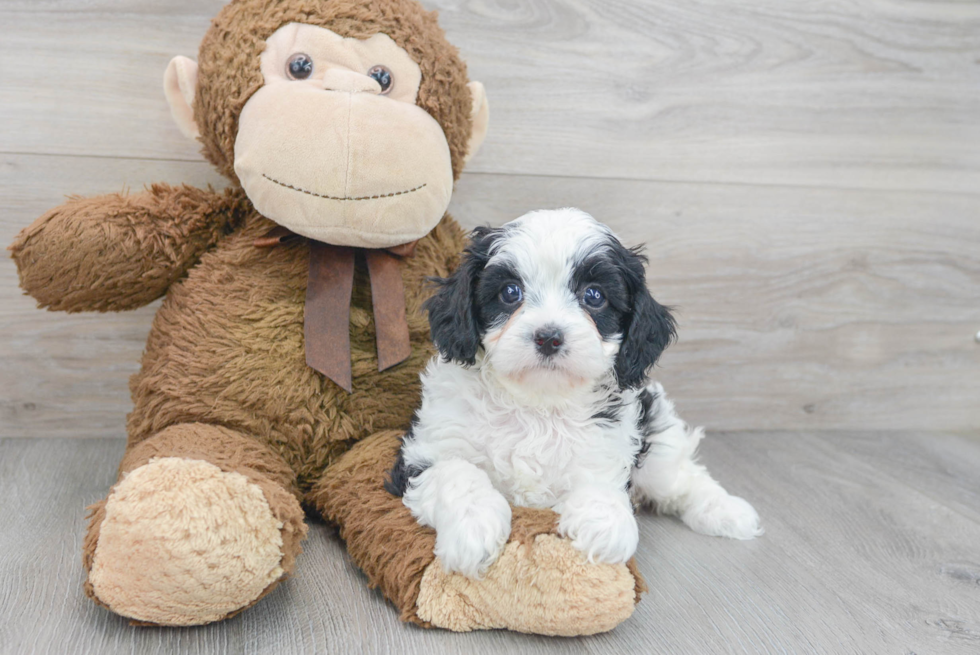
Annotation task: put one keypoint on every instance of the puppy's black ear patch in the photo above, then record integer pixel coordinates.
(648, 328)
(454, 320)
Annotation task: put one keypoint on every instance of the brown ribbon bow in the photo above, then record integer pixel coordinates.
(326, 319)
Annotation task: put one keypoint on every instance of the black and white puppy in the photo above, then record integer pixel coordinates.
(540, 398)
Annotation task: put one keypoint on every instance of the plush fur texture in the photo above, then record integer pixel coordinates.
(229, 76)
(224, 388)
(171, 547)
(542, 587)
(557, 593)
(118, 251)
(376, 172)
(229, 452)
(220, 366)
(546, 333)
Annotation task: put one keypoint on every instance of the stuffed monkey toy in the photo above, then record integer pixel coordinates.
(284, 360)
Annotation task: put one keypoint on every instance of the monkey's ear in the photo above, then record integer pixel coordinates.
(480, 113)
(179, 85)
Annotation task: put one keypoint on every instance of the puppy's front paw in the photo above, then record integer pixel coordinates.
(600, 525)
(723, 515)
(474, 541)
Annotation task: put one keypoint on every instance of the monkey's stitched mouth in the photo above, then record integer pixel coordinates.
(326, 197)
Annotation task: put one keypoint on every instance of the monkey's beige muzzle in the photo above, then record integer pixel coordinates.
(358, 169)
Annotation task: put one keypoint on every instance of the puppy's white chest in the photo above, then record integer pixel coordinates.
(534, 459)
(534, 456)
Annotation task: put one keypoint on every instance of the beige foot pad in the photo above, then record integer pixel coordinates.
(545, 588)
(185, 543)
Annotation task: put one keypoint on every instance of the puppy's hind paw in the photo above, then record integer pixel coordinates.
(723, 515)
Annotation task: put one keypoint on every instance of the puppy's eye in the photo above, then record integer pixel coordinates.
(382, 76)
(299, 66)
(511, 294)
(594, 298)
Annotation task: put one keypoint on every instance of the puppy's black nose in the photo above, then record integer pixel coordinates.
(549, 340)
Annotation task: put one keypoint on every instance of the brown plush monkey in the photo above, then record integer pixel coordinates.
(340, 123)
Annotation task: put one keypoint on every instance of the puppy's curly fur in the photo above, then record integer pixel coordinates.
(540, 398)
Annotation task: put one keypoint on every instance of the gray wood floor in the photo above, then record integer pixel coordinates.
(872, 545)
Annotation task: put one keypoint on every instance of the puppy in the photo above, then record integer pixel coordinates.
(540, 398)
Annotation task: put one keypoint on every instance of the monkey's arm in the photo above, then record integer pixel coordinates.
(119, 251)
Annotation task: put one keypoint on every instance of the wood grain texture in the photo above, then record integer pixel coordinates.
(798, 307)
(870, 547)
(823, 256)
(844, 93)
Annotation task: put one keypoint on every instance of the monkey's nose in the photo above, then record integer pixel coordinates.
(339, 79)
(549, 340)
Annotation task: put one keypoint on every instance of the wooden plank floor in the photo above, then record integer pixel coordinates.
(872, 545)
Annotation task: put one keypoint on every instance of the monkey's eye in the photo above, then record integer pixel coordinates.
(383, 77)
(511, 294)
(594, 298)
(300, 66)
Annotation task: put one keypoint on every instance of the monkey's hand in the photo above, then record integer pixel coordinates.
(119, 251)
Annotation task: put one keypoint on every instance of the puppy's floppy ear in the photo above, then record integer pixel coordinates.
(649, 327)
(454, 320)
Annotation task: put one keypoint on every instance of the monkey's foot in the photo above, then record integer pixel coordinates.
(182, 542)
(544, 586)
(540, 584)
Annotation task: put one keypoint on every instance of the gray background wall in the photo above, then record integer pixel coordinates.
(806, 176)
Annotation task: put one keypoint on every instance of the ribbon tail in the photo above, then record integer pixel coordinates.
(388, 299)
(326, 324)
(274, 237)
